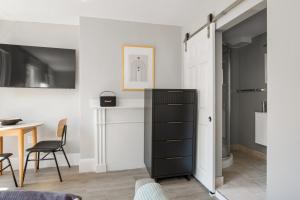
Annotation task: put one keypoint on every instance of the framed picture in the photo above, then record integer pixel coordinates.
(138, 67)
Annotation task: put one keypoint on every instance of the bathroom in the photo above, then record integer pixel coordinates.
(245, 109)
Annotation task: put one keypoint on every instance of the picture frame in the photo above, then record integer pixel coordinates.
(138, 67)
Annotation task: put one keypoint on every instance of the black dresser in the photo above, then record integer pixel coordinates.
(170, 132)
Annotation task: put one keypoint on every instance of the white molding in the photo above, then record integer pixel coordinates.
(100, 142)
(87, 165)
(101, 168)
(72, 157)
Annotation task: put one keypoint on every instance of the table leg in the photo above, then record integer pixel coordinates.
(21, 156)
(34, 141)
(1, 151)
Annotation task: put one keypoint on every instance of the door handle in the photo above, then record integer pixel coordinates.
(173, 140)
(209, 118)
(175, 122)
(175, 104)
(174, 158)
(175, 91)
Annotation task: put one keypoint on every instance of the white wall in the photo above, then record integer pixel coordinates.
(283, 99)
(101, 44)
(45, 105)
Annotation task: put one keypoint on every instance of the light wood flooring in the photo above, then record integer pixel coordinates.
(245, 179)
(104, 186)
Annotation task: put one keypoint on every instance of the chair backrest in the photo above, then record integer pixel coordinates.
(60, 128)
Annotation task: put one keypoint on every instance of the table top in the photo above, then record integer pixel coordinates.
(21, 125)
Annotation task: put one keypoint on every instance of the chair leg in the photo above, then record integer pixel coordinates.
(66, 157)
(25, 168)
(12, 172)
(38, 161)
(57, 166)
(1, 165)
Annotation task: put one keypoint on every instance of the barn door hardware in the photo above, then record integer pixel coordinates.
(212, 18)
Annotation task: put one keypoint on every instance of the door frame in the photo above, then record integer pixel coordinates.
(240, 13)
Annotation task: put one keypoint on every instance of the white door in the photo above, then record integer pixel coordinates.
(199, 73)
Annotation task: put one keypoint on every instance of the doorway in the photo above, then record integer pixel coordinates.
(244, 109)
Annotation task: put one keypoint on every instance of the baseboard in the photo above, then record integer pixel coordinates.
(219, 181)
(87, 165)
(101, 168)
(246, 150)
(90, 165)
(72, 157)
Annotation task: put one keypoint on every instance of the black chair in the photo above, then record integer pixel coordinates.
(3, 157)
(50, 147)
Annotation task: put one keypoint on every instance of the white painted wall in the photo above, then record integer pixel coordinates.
(101, 44)
(283, 99)
(46, 105)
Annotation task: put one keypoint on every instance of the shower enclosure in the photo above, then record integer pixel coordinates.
(226, 102)
(227, 97)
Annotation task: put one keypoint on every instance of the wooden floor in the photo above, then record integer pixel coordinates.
(245, 179)
(105, 186)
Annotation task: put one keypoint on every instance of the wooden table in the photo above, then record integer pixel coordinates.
(19, 131)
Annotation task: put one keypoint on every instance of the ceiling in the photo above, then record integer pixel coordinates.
(169, 12)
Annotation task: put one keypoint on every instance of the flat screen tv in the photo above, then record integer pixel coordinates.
(37, 67)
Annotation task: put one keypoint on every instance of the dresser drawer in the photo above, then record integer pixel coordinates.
(174, 96)
(172, 148)
(172, 166)
(174, 113)
(173, 130)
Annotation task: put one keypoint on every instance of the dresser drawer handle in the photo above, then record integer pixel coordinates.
(173, 140)
(175, 104)
(175, 91)
(175, 122)
(174, 158)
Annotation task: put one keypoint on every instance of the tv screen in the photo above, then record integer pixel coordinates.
(37, 67)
